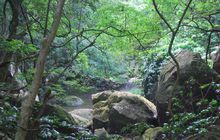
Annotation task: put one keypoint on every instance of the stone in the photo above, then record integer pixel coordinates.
(114, 110)
(101, 134)
(192, 66)
(152, 134)
(69, 101)
(59, 112)
(83, 112)
(80, 120)
(72, 101)
(216, 61)
(82, 116)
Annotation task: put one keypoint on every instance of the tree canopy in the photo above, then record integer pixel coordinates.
(52, 46)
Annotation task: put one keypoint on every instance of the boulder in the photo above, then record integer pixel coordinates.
(152, 134)
(101, 134)
(80, 120)
(83, 112)
(69, 101)
(59, 112)
(72, 101)
(114, 110)
(192, 67)
(82, 116)
(216, 61)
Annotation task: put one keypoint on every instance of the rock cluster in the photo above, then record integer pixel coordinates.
(114, 110)
(192, 68)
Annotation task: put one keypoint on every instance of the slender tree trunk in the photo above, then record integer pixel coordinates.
(28, 103)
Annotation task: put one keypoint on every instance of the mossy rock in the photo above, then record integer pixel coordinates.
(194, 72)
(113, 110)
(59, 112)
(69, 101)
(72, 101)
(152, 133)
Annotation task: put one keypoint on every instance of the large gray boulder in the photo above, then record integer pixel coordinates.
(216, 61)
(114, 110)
(192, 67)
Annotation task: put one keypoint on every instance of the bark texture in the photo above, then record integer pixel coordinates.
(27, 104)
(14, 23)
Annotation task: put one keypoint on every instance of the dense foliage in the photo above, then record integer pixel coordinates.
(101, 45)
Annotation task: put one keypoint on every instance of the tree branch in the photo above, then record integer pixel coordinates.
(68, 25)
(4, 17)
(46, 19)
(76, 55)
(27, 25)
(36, 20)
(174, 33)
(208, 47)
(161, 16)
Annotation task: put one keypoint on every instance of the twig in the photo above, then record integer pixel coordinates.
(27, 25)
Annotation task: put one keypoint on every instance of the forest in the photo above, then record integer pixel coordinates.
(110, 70)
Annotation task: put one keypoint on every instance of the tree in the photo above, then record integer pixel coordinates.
(12, 28)
(174, 32)
(27, 104)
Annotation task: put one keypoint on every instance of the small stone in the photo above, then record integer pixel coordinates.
(101, 134)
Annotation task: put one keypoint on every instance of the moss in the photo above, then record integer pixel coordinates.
(102, 96)
(102, 112)
(152, 133)
(59, 112)
(100, 104)
(114, 99)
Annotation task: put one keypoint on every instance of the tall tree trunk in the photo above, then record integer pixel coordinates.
(15, 8)
(27, 104)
